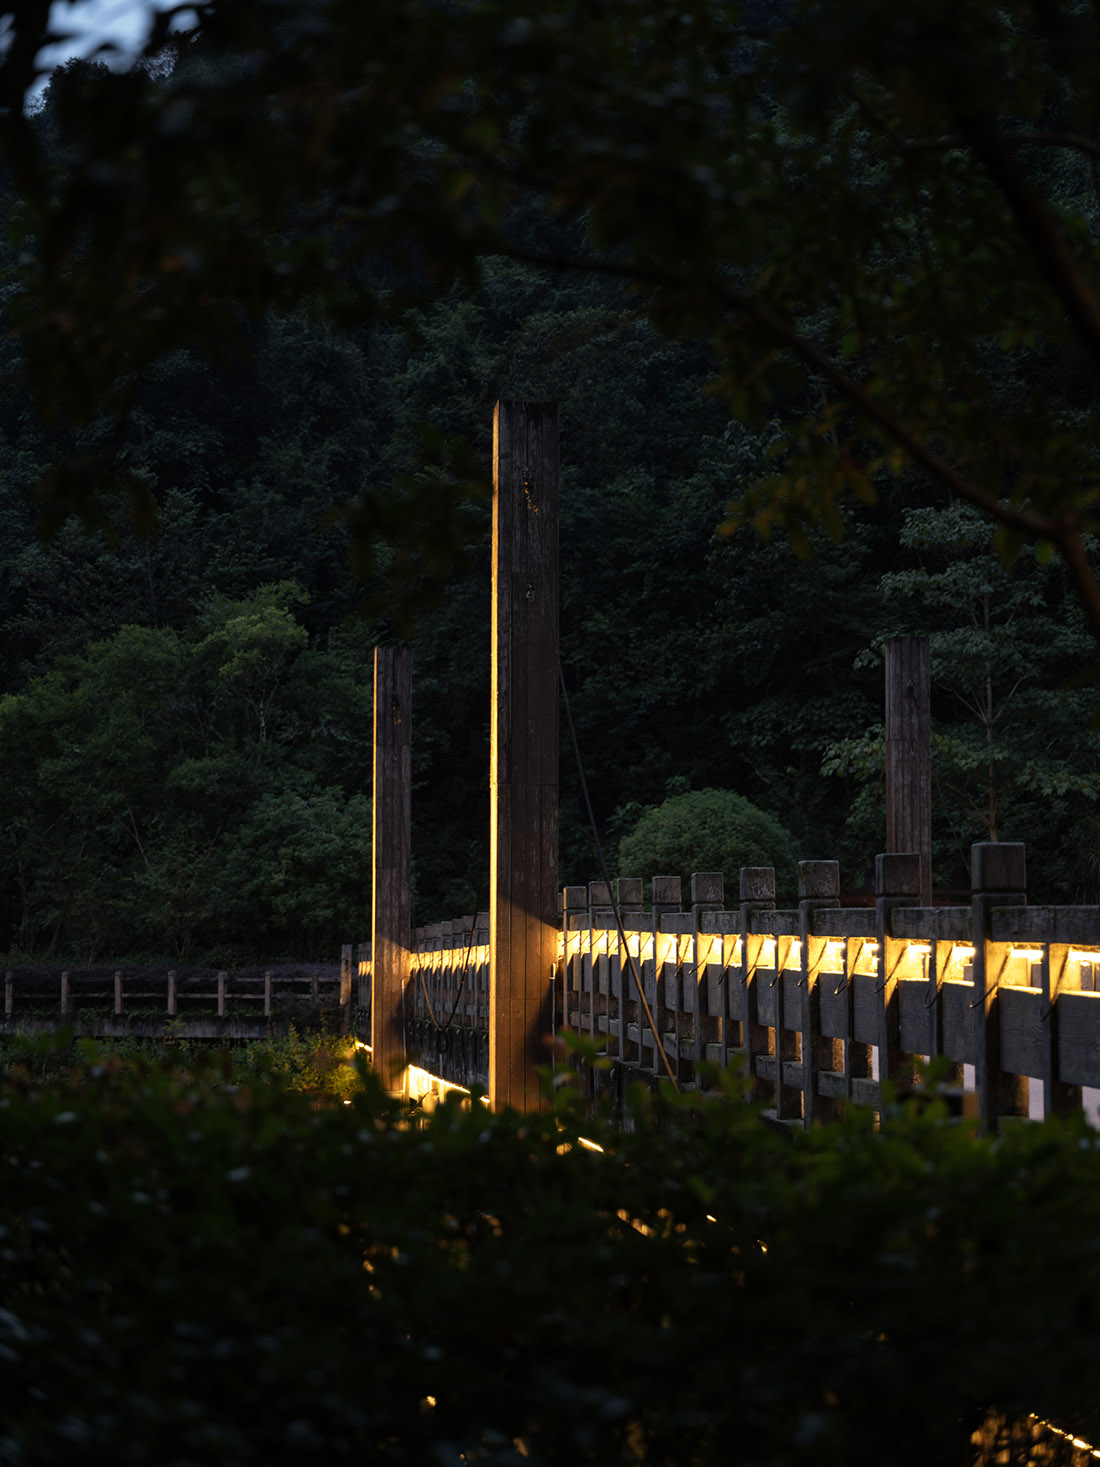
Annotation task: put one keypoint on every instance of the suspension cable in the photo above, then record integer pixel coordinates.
(600, 858)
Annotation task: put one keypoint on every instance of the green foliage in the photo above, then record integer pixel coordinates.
(197, 1266)
(880, 223)
(1015, 748)
(707, 830)
(168, 790)
(319, 1065)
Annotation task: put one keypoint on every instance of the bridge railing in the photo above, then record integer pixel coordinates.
(817, 1004)
(204, 1004)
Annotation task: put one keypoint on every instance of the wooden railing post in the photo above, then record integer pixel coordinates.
(757, 890)
(391, 900)
(818, 887)
(345, 987)
(897, 884)
(524, 750)
(998, 878)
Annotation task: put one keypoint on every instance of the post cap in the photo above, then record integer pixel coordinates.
(707, 886)
(628, 891)
(998, 866)
(818, 880)
(758, 883)
(666, 891)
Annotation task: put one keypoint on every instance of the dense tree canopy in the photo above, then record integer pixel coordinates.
(900, 203)
(265, 291)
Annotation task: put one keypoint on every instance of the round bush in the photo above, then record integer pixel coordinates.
(708, 830)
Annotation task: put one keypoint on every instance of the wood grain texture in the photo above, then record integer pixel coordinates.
(391, 860)
(908, 757)
(523, 750)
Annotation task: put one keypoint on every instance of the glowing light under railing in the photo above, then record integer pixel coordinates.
(665, 948)
(1080, 955)
(1033, 954)
(419, 1083)
(866, 961)
(922, 949)
(706, 949)
(767, 953)
(1076, 1441)
(832, 959)
(793, 958)
(962, 952)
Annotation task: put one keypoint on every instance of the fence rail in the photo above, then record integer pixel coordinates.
(817, 1004)
(199, 1005)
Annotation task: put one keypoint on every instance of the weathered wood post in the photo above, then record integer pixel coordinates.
(897, 884)
(818, 887)
(757, 895)
(998, 878)
(391, 901)
(909, 754)
(523, 776)
(345, 988)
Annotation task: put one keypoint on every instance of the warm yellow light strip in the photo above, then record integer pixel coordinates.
(422, 1082)
(1076, 1441)
(452, 957)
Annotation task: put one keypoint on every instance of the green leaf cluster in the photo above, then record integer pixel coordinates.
(173, 791)
(193, 1265)
(708, 830)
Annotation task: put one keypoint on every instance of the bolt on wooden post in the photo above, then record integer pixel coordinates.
(391, 902)
(523, 777)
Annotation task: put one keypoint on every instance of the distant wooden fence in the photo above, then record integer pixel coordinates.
(193, 1005)
(816, 1004)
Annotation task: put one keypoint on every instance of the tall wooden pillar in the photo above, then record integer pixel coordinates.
(391, 902)
(523, 919)
(909, 754)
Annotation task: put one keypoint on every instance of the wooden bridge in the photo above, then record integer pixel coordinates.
(200, 1004)
(816, 1004)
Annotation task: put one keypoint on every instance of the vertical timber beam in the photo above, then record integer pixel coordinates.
(998, 878)
(909, 754)
(523, 917)
(391, 903)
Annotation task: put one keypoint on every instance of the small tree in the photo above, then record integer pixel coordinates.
(1014, 748)
(707, 830)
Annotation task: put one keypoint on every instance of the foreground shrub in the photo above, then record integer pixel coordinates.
(193, 1270)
